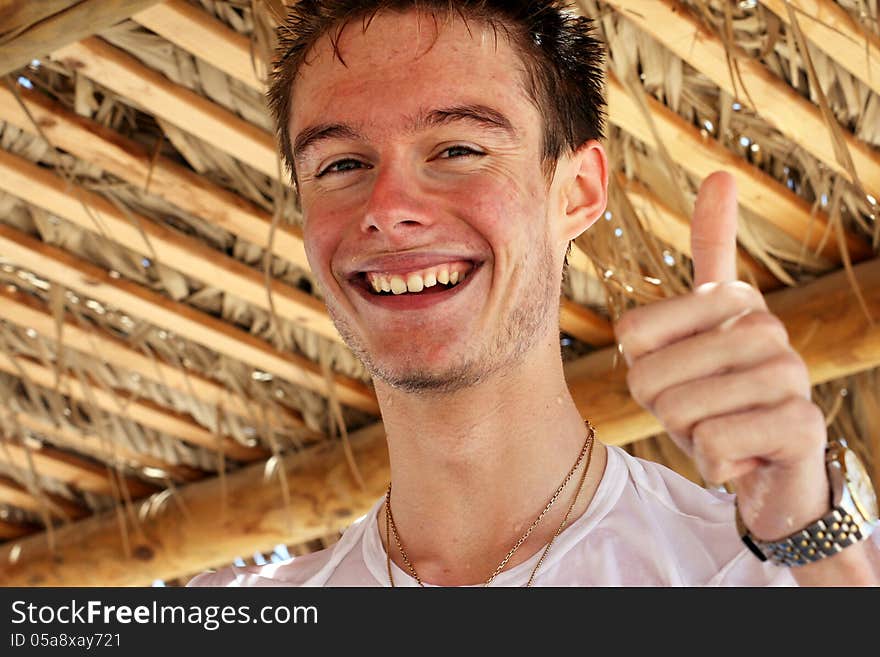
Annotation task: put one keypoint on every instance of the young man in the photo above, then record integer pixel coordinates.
(446, 153)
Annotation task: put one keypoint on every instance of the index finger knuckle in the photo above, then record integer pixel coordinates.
(630, 330)
(763, 326)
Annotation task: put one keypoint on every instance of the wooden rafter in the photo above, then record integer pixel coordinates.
(121, 403)
(199, 33)
(33, 29)
(701, 156)
(26, 311)
(174, 249)
(785, 109)
(673, 228)
(74, 471)
(12, 530)
(15, 494)
(104, 449)
(584, 324)
(160, 176)
(174, 103)
(200, 327)
(191, 192)
(324, 498)
(831, 29)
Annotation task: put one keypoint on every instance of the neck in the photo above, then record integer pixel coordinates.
(471, 470)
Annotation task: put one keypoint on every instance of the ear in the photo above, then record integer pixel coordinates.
(582, 184)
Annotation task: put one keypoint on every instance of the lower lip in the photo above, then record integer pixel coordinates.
(415, 301)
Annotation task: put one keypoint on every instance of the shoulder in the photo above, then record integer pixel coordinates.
(691, 530)
(292, 572)
(656, 484)
(315, 569)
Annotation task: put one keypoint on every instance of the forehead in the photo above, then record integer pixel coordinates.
(402, 63)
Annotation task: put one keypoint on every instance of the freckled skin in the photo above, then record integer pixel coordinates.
(407, 194)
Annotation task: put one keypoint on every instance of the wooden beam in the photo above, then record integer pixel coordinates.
(180, 186)
(26, 311)
(673, 228)
(584, 324)
(174, 103)
(12, 530)
(828, 327)
(674, 26)
(189, 255)
(160, 176)
(200, 327)
(17, 16)
(825, 325)
(73, 471)
(324, 498)
(104, 449)
(758, 192)
(199, 33)
(31, 30)
(831, 29)
(122, 403)
(15, 494)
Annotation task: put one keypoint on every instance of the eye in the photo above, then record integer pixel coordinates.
(458, 151)
(340, 166)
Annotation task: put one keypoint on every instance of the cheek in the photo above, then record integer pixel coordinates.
(320, 238)
(501, 212)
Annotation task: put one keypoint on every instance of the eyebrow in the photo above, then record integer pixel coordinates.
(311, 137)
(480, 115)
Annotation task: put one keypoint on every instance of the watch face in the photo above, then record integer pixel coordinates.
(860, 486)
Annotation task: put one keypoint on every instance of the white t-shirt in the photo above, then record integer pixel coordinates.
(646, 526)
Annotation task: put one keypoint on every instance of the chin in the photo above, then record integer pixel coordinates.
(455, 373)
(422, 381)
(426, 368)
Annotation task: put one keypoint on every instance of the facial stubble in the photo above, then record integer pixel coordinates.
(524, 326)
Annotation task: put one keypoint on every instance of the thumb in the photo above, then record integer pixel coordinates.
(713, 230)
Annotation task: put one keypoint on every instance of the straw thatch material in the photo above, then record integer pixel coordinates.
(636, 256)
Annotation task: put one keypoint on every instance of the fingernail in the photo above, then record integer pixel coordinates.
(626, 358)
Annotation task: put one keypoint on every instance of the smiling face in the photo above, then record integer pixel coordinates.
(419, 169)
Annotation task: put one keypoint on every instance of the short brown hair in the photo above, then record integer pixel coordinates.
(562, 59)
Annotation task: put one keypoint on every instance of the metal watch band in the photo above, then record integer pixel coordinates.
(823, 538)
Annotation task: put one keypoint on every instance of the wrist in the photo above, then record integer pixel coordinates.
(851, 519)
(855, 566)
(787, 500)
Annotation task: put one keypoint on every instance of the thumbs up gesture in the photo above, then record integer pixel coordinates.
(716, 368)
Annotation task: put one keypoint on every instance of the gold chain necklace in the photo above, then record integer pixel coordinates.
(587, 450)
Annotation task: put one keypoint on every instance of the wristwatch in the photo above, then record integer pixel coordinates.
(852, 518)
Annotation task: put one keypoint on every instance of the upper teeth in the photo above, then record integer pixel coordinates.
(416, 281)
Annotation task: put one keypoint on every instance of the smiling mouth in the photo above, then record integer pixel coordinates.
(428, 281)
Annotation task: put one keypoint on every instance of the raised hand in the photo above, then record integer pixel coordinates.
(716, 368)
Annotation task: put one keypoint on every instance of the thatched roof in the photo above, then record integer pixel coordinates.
(174, 394)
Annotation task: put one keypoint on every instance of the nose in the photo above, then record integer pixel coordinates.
(396, 207)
